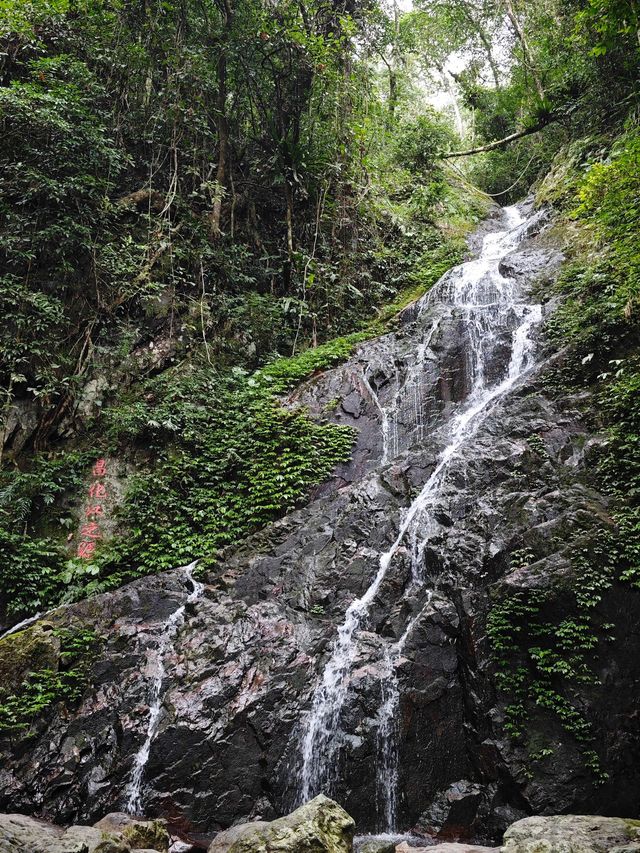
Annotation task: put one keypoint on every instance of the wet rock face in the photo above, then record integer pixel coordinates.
(241, 671)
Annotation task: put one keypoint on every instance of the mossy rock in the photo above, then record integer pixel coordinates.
(151, 835)
(36, 647)
(319, 826)
(571, 834)
(137, 833)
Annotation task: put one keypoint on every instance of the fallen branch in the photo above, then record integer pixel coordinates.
(500, 142)
(153, 198)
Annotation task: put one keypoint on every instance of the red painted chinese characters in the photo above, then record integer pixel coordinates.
(90, 531)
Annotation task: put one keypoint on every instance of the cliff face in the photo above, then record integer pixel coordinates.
(358, 646)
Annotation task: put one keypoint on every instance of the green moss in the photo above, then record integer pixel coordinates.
(560, 184)
(147, 835)
(283, 373)
(50, 669)
(24, 651)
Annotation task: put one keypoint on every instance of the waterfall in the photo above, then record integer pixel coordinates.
(489, 305)
(387, 739)
(133, 801)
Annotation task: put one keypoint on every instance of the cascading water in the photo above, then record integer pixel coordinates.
(133, 801)
(492, 310)
(407, 400)
(387, 740)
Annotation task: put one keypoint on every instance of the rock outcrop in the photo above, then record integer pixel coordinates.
(241, 668)
(137, 833)
(450, 847)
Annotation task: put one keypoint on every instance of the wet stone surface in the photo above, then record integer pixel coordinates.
(243, 667)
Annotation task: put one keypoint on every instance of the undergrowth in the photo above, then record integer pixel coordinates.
(216, 457)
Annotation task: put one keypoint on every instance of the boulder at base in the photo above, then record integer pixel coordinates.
(22, 834)
(573, 834)
(115, 833)
(320, 826)
(137, 832)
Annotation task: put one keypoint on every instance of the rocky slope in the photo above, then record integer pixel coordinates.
(208, 690)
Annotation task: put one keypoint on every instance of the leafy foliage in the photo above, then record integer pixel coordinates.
(218, 457)
(541, 661)
(32, 562)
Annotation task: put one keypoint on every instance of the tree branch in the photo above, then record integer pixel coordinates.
(490, 146)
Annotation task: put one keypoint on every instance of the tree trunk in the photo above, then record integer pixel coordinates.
(393, 97)
(222, 122)
(446, 80)
(490, 59)
(288, 193)
(526, 52)
(223, 143)
(393, 68)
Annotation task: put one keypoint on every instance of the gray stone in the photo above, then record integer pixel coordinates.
(94, 840)
(22, 834)
(449, 847)
(226, 839)
(319, 826)
(453, 811)
(375, 844)
(571, 834)
(19, 834)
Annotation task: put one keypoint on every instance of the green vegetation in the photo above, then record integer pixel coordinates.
(542, 661)
(224, 458)
(216, 457)
(32, 562)
(600, 318)
(64, 681)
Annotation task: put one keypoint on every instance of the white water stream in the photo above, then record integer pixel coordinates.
(491, 308)
(387, 740)
(132, 799)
